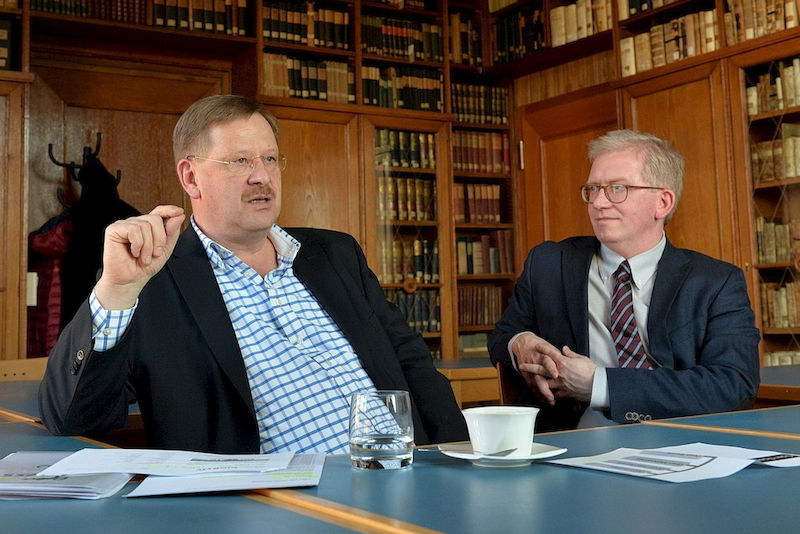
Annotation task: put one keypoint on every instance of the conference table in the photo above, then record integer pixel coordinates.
(443, 494)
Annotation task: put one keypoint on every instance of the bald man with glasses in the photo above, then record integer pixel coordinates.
(624, 327)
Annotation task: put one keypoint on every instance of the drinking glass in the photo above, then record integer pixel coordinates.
(381, 430)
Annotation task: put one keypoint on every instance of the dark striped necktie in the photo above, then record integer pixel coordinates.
(624, 332)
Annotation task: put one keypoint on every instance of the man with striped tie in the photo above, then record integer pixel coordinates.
(623, 326)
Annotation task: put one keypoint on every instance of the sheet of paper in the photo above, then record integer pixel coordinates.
(659, 464)
(164, 462)
(770, 458)
(303, 470)
(18, 478)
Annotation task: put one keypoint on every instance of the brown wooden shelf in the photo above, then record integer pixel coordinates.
(772, 184)
(773, 266)
(484, 226)
(476, 328)
(16, 76)
(64, 27)
(642, 21)
(481, 176)
(485, 277)
(550, 57)
(308, 50)
(770, 116)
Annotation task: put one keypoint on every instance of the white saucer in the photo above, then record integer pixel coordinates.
(463, 451)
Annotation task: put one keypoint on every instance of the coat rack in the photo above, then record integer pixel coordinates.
(87, 152)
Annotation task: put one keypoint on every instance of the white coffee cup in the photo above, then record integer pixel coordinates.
(500, 429)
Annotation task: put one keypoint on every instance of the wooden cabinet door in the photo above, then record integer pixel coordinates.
(13, 227)
(689, 109)
(555, 134)
(322, 187)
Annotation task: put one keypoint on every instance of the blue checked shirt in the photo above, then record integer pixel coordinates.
(302, 370)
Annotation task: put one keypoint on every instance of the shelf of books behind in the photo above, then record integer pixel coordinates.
(772, 92)
(408, 228)
(222, 17)
(10, 35)
(482, 210)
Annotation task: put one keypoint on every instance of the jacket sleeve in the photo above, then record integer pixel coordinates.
(710, 361)
(83, 391)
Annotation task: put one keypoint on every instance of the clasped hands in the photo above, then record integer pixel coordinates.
(551, 373)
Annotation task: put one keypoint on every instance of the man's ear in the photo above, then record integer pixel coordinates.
(188, 178)
(666, 201)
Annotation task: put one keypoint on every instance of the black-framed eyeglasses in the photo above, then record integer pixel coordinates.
(615, 193)
(244, 166)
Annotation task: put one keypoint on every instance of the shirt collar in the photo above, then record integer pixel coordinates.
(285, 245)
(643, 265)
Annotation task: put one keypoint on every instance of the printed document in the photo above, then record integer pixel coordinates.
(165, 462)
(681, 463)
(303, 470)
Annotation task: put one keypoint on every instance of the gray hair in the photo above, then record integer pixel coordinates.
(191, 131)
(662, 165)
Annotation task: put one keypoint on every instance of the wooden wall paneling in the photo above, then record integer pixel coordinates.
(13, 226)
(555, 135)
(689, 108)
(322, 186)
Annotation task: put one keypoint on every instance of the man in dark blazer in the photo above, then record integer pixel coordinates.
(179, 353)
(698, 343)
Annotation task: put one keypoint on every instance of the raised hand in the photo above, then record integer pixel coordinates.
(134, 250)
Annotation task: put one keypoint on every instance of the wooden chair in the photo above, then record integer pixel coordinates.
(510, 384)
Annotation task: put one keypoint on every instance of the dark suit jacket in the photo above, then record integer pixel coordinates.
(700, 328)
(180, 360)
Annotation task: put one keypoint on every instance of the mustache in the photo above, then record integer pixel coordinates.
(260, 192)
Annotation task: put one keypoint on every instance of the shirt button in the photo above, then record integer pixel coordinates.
(279, 301)
(94, 330)
(106, 331)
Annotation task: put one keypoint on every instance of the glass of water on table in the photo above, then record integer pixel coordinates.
(381, 430)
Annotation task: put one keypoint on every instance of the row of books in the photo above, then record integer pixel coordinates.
(479, 305)
(476, 203)
(402, 4)
(304, 23)
(517, 34)
(406, 199)
(480, 103)
(781, 357)
(678, 39)
(578, 20)
(330, 81)
(129, 11)
(629, 8)
(402, 39)
(466, 45)
(779, 304)
(756, 18)
(776, 160)
(775, 242)
(774, 90)
(229, 17)
(421, 308)
(402, 88)
(490, 253)
(403, 148)
(473, 345)
(475, 151)
(5, 44)
(403, 258)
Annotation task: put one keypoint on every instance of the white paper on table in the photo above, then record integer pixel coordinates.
(671, 466)
(770, 458)
(303, 470)
(165, 462)
(18, 478)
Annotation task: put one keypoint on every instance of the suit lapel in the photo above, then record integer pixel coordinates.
(195, 279)
(672, 271)
(313, 267)
(576, 261)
